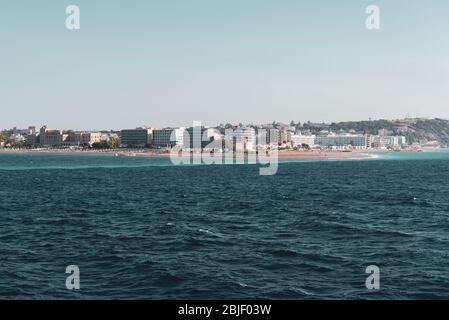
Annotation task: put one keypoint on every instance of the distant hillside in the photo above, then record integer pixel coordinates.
(415, 130)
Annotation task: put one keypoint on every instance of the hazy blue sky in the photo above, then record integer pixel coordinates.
(172, 62)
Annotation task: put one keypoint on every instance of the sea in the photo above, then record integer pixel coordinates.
(143, 228)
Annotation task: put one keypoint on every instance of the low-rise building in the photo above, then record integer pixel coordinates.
(50, 138)
(168, 137)
(383, 132)
(17, 137)
(73, 138)
(388, 141)
(134, 138)
(359, 141)
(201, 138)
(299, 140)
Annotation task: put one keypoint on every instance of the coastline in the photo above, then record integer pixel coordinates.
(292, 155)
(282, 154)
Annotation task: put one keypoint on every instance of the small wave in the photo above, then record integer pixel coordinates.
(49, 219)
(303, 291)
(206, 231)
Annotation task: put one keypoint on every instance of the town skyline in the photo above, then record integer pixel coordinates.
(217, 124)
(398, 133)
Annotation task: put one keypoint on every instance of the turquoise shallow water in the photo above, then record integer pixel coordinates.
(46, 161)
(145, 229)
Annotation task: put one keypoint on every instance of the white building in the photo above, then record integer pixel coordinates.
(17, 137)
(298, 140)
(383, 142)
(267, 137)
(240, 139)
(383, 132)
(245, 139)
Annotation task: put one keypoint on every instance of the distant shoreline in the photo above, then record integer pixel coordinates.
(282, 154)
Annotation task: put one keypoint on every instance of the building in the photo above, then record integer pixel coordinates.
(298, 140)
(201, 137)
(284, 136)
(383, 132)
(244, 139)
(150, 136)
(369, 141)
(385, 142)
(91, 137)
(32, 139)
(18, 137)
(267, 137)
(73, 138)
(347, 140)
(134, 138)
(168, 137)
(50, 138)
(106, 136)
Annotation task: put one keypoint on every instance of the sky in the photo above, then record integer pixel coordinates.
(172, 62)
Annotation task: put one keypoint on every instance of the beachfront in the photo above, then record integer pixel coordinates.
(282, 154)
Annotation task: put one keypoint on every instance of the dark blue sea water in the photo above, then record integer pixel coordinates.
(141, 228)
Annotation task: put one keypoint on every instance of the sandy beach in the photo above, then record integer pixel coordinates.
(282, 154)
(321, 155)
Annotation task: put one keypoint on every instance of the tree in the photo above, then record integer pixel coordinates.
(16, 144)
(114, 143)
(85, 145)
(100, 145)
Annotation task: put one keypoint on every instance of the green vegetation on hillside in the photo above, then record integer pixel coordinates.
(415, 130)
